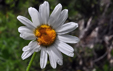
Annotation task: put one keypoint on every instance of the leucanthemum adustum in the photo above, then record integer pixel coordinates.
(48, 34)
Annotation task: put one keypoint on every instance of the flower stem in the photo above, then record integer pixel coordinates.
(29, 65)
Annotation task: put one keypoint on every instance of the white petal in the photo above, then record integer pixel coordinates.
(68, 27)
(52, 58)
(27, 36)
(65, 48)
(30, 49)
(25, 21)
(32, 45)
(23, 29)
(34, 16)
(68, 38)
(26, 48)
(38, 48)
(26, 54)
(55, 14)
(60, 61)
(57, 55)
(43, 58)
(61, 19)
(44, 12)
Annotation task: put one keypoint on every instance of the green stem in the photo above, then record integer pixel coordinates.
(29, 65)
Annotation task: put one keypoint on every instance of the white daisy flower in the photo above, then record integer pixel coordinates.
(48, 34)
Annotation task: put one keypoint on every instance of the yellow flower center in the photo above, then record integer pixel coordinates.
(46, 35)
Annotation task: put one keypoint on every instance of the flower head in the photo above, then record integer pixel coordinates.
(48, 34)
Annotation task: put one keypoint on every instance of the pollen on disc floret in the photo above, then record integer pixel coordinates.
(45, 35)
